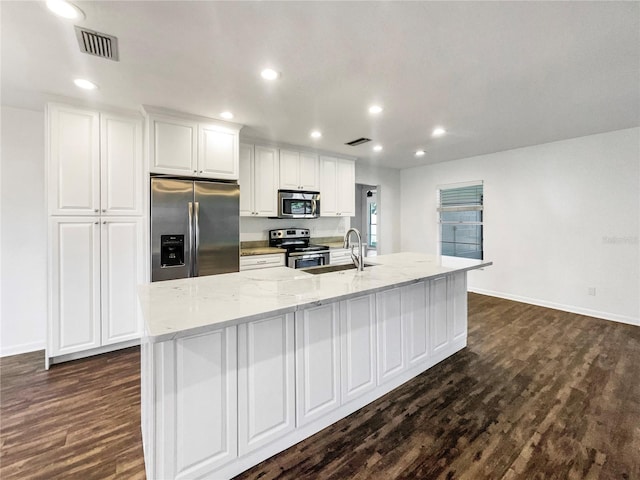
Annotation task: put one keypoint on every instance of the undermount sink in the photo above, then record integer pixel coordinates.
(333, 268)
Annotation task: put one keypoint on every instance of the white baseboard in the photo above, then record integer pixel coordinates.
(23, 348)
(558, 306)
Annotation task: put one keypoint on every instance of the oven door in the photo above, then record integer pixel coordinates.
(306, 260)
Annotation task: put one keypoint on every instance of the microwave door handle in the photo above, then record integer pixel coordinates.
(313, 207)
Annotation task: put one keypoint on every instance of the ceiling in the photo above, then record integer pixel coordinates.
(496, 75)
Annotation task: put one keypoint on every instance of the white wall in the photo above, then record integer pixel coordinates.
(258, 228)
(559, 218)
(23, 293)
(388, 182)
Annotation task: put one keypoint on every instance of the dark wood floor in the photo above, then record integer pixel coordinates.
(537, 394)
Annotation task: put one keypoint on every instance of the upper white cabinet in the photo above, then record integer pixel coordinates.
(95, 162)
(337, 187)
(179, 145)
(218, 152)
(299, 170)
(259, 167)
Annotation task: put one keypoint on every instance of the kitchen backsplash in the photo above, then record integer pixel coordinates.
(252, 229)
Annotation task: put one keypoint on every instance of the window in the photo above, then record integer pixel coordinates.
(373, 221)
(461, 208)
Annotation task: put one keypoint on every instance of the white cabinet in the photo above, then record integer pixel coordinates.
(337, 187)
(415, 302)
(358, 346)
(259, 167)
(95, 265)
(253, 262)
(299, 170)
(121, 271)
(218, 152)
(180, 145)
(458, 293)
(95, 162)
(317, 362)
(438, 314)
(266, 381)
(391, 344)
(339, 256)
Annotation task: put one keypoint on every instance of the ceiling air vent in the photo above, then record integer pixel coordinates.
(358, 141)
(98, 44)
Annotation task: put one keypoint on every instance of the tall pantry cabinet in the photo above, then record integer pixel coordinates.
(96, 242)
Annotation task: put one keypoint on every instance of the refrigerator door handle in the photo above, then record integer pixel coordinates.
(196, 223)
(190, 204)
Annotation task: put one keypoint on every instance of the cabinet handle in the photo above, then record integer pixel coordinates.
(104, 210)
(201, 171)
(261, 261)
(195, 171)
(96, 210)
(96, 223)
(104, 223)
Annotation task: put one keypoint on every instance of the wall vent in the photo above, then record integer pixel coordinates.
(98, 44)
(358, 141)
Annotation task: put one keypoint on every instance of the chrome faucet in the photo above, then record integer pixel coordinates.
(358, 260)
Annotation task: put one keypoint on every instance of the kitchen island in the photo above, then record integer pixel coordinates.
(237, 367)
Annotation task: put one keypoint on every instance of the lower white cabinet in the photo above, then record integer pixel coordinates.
(415, 313)
(458, 291)
(317, 362)
(358, 346)
(266, 381)
(95, 265)
(438, 314)
(391, 345)
(253, 262)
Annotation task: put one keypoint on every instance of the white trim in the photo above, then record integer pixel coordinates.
(22, 348)
(559, 306)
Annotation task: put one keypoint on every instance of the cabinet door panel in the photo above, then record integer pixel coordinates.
(266, 381)
(391, 357)
(245, 179)
(289, 170)
(265, 177)
(75, 284)
(121, 165)
(317, 362)
(173, 146)
(358, 346)
(122, 270)
(309, 171)
(328, 193)
(74, 161)
(346, 179)
(218, 152)
(414, 311)
(206, 402)
(458, 295)
(438, 314)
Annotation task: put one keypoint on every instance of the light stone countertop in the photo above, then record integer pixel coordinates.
(177, 308)
(260, 251)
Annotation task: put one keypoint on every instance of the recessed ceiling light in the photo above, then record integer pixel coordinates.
(65, 9)
(420, 153)
(86, 84)
(316, 134)
(438, 132)
(375, 109)
(228, 115)
(377, 148)
(269, 74)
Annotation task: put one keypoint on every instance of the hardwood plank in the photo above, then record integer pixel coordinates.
(537, 394)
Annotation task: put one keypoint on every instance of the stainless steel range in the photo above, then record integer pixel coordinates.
(300, 253)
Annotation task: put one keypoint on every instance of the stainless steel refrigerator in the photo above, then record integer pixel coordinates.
(194, 228)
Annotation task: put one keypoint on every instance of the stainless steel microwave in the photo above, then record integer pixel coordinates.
(298, 204)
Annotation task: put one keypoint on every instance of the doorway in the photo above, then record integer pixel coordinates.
(367, 219)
